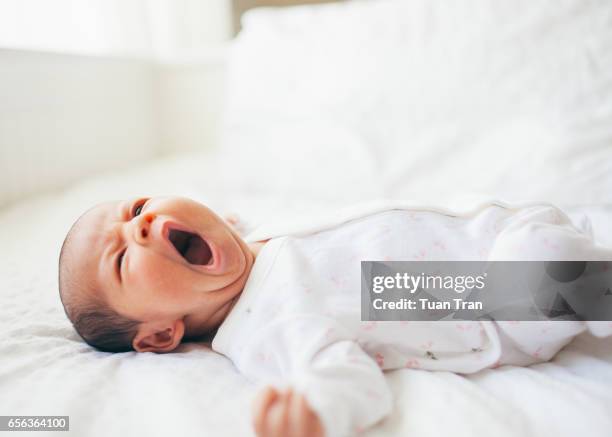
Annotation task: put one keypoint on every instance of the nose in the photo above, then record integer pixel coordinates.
(142, 228)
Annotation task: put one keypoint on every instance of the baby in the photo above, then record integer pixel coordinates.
(148, 273)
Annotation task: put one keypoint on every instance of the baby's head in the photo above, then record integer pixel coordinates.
(143, 274)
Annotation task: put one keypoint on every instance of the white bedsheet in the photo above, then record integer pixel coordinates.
(530, 121)
(45, 369)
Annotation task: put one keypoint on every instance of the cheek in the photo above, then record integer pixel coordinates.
(155, 276)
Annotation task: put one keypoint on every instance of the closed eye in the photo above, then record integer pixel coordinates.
(120, 262)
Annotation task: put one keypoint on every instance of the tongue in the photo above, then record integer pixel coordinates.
(191, 246)
(198, 252)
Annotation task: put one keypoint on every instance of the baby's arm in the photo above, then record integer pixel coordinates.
(336, 391)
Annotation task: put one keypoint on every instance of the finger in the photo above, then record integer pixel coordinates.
(232, 218)
(287, 425)
(275, 424)
(298, 416)
(261, 406)
(312, 423)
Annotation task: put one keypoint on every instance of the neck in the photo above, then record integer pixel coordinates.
(202, 324)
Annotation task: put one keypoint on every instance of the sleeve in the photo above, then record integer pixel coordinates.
(341, 382)
(599, 328)
(346, 388)
(545, 233)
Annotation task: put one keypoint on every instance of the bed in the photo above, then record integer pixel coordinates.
(330, 105)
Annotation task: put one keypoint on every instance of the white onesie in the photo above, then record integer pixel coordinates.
(297, 321)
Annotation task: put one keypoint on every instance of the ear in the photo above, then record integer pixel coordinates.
(159, 337)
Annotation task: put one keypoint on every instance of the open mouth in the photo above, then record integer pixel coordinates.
(191, 246)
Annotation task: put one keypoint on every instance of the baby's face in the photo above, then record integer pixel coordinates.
(160, 258)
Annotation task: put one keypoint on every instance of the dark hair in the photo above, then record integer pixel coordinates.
(92, 318)
(103, 328)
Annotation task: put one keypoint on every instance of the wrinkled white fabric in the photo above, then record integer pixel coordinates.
(298, 319)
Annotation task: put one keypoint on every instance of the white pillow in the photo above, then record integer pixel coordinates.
(304, 163)
(508, 98)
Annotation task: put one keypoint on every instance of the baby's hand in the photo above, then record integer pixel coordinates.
(232, 218)
(236, 223)
(278, 414)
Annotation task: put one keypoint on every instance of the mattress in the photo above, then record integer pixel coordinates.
(46, 369)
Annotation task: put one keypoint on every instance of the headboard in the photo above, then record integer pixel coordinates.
(241, 6)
